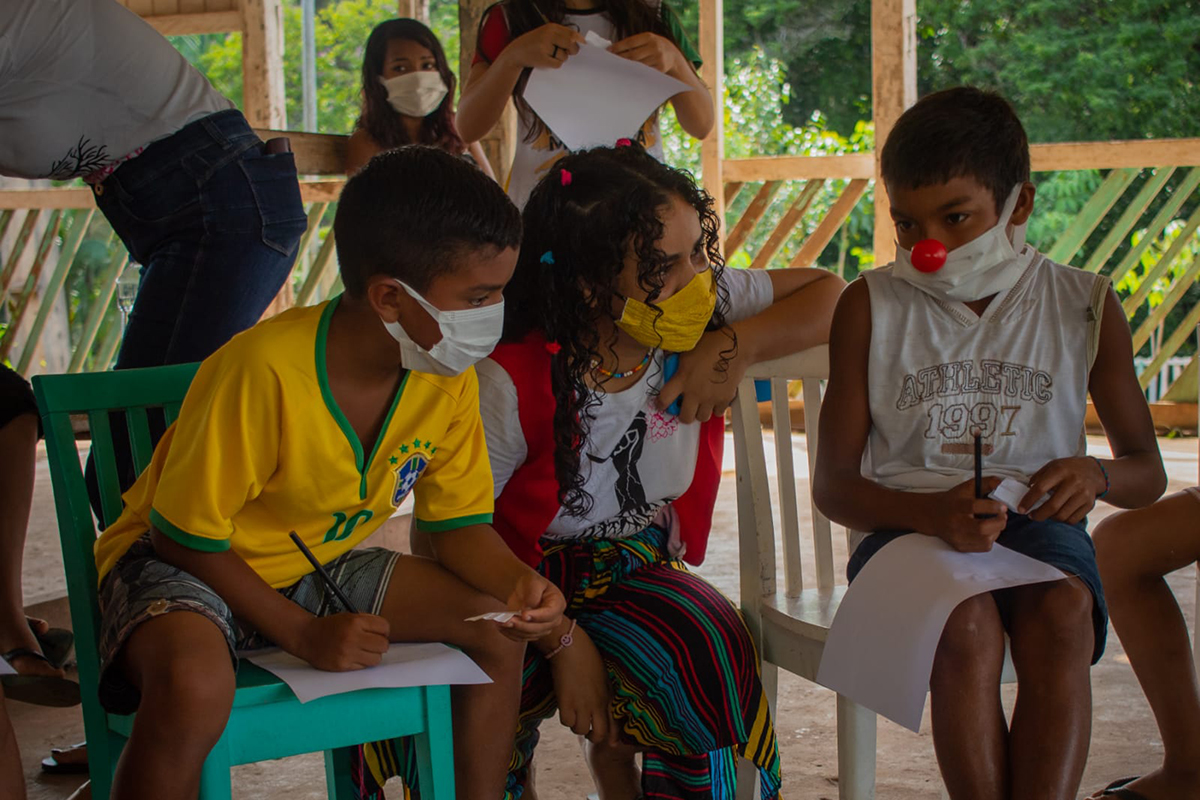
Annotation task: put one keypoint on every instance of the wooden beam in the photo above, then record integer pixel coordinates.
(1131, 154)
(837, 214)
(316, 153)
(787, 223)
(712, 72)
(263, 97)
(786, 168)
(186, 24)
(893, 89)
(414, 9)
(324, 191)
(745, 225)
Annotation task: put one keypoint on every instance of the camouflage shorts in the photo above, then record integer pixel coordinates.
(141, 586)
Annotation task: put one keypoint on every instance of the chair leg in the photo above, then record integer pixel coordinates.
(856, 751)
(339, 783)
(215, 781)
(103, 752)
(1196, 626)
(435, 747)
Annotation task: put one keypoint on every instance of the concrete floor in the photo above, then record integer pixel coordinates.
(1124, 738)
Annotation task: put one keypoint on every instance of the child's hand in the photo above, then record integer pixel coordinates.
(539, 606)
(343, 642)
(653, 51)
(547, 47)
(952, 516)
(582, 690)
(1072, 484)
(708, 379)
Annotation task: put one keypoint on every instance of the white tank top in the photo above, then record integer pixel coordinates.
(1018, 374)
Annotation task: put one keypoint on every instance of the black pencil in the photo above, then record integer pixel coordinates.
(978, 466)
(329, 582)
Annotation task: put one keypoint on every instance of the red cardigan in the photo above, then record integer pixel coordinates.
(529, 501)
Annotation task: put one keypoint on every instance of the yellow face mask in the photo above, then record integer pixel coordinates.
(684, 317)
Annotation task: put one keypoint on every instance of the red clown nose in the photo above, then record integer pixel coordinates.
(928, 255)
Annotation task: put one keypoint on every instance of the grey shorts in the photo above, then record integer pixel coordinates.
(140, 586)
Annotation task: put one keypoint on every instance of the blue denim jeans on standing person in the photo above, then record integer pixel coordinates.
(215, 222)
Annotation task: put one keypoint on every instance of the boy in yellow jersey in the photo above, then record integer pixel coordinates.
(322, 420)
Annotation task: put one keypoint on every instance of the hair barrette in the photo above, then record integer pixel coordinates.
(624, 142)
(553, 348)
(547, 257)
(565, 177)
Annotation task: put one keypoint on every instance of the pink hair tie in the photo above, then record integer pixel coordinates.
(565, 177)
(553, 348)
(624, 142)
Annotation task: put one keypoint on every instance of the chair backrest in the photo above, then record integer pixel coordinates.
(756, 520)
(131, 393)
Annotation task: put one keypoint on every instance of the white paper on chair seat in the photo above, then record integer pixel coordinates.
(880, 648)
(597, 97)
(425, 664)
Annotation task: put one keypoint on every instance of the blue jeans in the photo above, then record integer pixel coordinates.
(215, 223)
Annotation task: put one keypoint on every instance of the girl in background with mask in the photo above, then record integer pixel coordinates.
(607, 493)
(408, 96)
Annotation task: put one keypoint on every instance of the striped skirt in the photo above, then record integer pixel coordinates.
(681, 662)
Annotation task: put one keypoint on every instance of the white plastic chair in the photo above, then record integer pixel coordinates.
(791, 625)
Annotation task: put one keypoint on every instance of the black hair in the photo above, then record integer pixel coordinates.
(412, 212)
(629, 17)
(382, 122)
(611, 203)
(954, 133)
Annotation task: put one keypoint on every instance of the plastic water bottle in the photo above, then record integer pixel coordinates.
(127, 288)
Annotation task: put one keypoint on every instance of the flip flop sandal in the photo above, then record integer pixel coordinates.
(40, 690)
(56, 644)
(1117, 789)
(52, 766)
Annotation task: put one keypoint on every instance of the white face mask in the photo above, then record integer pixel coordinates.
(467, 336)
(415, 94)
(984, 266)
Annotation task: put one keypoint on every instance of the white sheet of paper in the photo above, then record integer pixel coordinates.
(426, 664)
(1010, 491)
(6, 668)
(495, 616)
(596, 97)
(880, 648)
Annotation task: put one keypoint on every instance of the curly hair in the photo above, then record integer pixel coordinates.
(612, 205)
(629, 17)
(382, 122)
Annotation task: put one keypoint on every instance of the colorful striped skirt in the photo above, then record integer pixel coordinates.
(682, 666)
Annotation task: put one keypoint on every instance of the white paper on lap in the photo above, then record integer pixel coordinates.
(6, 668)
(597, 97)
(880, 648)
(425, 664)
(495, 616)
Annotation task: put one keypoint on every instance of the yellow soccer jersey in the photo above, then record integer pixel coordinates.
(261, 449)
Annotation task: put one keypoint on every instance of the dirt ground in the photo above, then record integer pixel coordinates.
(1124, 738)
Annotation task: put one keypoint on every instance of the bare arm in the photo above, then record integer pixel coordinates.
(359, 150)
(489, 86)
(338, 642)
(840, 489)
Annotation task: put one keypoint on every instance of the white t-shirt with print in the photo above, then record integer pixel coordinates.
(637, 458)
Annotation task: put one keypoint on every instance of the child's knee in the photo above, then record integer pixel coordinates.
(1112, 538)
(971, 632)
(195, 695)
(1059, 619)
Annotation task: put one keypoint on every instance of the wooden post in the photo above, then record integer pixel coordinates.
(712, 149)
(414, 9)
(893, 89)
(262, 64)
(499, 144)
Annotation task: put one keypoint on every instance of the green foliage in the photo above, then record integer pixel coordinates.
(1189, 252)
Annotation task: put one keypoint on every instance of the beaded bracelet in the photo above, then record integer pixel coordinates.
(564, 642)
(1104, 472)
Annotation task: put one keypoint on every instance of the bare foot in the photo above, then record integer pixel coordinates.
(1164, 785)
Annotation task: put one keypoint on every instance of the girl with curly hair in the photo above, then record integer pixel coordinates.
(607, 492)
(407, 96)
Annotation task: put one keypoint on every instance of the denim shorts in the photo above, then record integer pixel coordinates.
(1059, 544)
(141, 587)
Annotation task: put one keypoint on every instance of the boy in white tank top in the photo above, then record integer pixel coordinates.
(986, 337)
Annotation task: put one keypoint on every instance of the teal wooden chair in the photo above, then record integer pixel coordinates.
(267, 721)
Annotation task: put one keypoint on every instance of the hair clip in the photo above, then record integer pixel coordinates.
(547, 257)
(624, 142)
(565, 177)
(553, 348)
